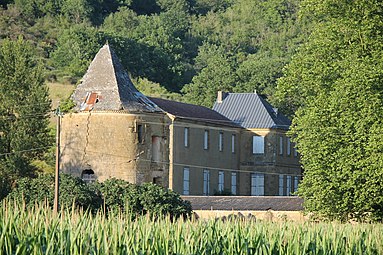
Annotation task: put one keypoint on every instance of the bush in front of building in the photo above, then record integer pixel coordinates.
(147, 198)
(157, 201)
(111, 195)
(119, 195)
(73, 191)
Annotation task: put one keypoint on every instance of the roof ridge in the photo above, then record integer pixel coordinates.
(107, 86)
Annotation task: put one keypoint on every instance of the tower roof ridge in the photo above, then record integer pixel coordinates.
(107, 86)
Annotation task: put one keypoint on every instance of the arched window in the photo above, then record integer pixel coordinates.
(88, 176)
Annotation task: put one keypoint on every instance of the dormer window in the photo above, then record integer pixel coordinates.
(90, 100)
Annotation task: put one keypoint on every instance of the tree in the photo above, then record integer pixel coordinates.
(334, 85)
(24, 109)
(76, 47)
(217, 73)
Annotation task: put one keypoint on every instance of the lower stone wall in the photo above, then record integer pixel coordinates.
(270, 215)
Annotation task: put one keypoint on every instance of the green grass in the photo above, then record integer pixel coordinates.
(38, 231)
(59, 92)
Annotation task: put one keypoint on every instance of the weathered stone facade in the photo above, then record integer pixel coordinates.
(108, 144)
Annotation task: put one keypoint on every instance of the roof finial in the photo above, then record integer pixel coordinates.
(255, 91)
(107, 42)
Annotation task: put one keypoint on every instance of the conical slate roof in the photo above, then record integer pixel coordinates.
(106, 86)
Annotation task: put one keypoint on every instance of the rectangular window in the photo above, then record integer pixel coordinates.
(156, 148)
(221, 181)
(257, 184)
(288, 146)
(258, 144)
(234, 183)
(281, 145)
(296, 180)
(233, 143)
(186, 180)
(186, 137)
(220, 141)
(140, 133)
(206, 140)
(281, 184)
(288, 185)
(295, 151)
(206, 182)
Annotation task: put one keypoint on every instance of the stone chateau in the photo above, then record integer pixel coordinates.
(239, 147)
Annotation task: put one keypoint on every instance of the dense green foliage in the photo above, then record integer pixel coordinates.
(197, 47)
(38, 232)
(111, 195)
(24, 109)
(334, 84)
(73, 191)
(145, 199)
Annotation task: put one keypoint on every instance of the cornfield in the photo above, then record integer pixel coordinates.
(38, 231)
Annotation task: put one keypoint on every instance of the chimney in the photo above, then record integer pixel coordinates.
(221, 96)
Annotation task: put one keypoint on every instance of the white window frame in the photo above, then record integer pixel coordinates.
(281, 145)
(288, 185)
(296, 183)
(281, 184)
(221, 181)
(220, 141)
(288, 146)
(206, 182)
(88, 178)
(257, 184)
(233, 143)
(186, 190)
(186, 137)
(258, 144)
(206, 140)
(234, 183)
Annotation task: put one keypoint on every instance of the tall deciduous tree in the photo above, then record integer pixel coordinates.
(335, 85)
(217, 73)
(24, 108)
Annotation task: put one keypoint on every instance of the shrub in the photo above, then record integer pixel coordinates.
(145, 199)
(41, 189)
(156, 201)
(119, 195)
(114, 194)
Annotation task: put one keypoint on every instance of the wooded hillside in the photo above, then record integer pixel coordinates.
(192, 47)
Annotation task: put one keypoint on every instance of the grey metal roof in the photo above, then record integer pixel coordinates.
(250, 110)
(107, 86)
(192, 112)
(245, 203)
